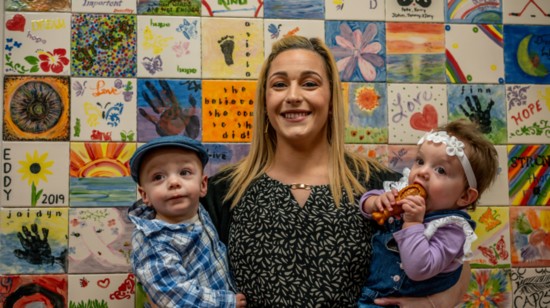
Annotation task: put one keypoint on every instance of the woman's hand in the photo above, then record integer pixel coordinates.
(448, 298)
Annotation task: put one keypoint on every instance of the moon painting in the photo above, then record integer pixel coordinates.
(528, 56)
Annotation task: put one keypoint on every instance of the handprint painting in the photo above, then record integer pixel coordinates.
(33, 241)
(168, 107)
(480, 103)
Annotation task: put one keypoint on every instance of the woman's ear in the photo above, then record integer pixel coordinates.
(468, 197)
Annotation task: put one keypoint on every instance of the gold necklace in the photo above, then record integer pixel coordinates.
(300, 186)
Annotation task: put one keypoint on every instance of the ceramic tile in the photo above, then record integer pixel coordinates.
(35, 174)
(473, 11)
(492, 247)
(227, 110)
(367, 120)
(173, 8)
(527, 57)
(222, 154)
(168, 107)
(95, 6)
(103, 45)
(534, 12)
(497, 194)
(33, 241)
(401, 156)
(253, 8)
(530, 287)
(528, 174)
(529, 236)
(481, 103)
(37, 43)
(275, 29)
(303, 9)
(378, 152)
(343, 36)
(235, 48)
(415, 52)
(528, 113)
(100, 174)
(103, 109)
(489, 288)
(36, 108)
(38, 6)
(414, 109)
(482, 62)
(169, 46)
(373, 10)
(33, 291)
(99, 240)
(415, 11)
(102, 290)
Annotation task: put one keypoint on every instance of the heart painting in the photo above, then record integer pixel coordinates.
(17, 23)
(425, 120)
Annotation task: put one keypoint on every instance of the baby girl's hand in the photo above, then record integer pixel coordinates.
(414, 208)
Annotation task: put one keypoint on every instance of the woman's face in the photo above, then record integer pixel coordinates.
(298, 96)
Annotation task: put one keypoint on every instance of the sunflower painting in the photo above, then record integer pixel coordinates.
(36, 108)
(100, 174)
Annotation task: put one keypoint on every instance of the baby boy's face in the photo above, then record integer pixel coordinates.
(172, 181)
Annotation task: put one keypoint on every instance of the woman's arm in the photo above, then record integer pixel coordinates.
(448, 298)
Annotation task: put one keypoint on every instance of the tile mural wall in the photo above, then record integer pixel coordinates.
(86, 82)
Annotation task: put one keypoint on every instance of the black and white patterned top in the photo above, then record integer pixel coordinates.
(284, 255)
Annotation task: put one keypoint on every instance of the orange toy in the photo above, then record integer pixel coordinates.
(410, 190)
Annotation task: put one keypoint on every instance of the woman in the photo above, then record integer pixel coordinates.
(287, 211)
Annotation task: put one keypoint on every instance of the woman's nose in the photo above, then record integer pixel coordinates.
(294, 96)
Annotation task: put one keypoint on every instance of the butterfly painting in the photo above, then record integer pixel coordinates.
(181, 48)
(79, 88)
(157, 43)
(152, 65)
(188, 29)
(127, 136)
(495, 252)
(274, 31)
(490, 219)
(99, 112)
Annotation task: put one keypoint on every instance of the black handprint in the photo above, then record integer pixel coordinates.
(173, 119)
(37, 250)
(477, 115)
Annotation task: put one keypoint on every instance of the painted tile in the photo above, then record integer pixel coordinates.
(497, 194)
(369, 65)
(169, 47)
(102, 290)
(367, 113)
(529, 236)
(299, 9)
(489, 288)
(415, 11)
(474, 11)
(235, 48)
(253, 8)
(531, 12)
(401, 156)
(378, 152)
(223, 154)
(530, 289)
(35, 174)
(415, 52)
(482, 62)
(33, 241)
(103, 45)
(168, 107)
(103, 109)
(173, 8)
(99, 240)
(38, 6)
(481, 103)
(527, 58)
(95, 6)
(275, 29)
(36, 108)
(100, 174)
(528, 113)
(414, 109)
(528, 174)
(373, 10)
(33, 291)
(492, 247)
(227, 110)
(37, 43)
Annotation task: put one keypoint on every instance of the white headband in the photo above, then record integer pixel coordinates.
(455, 147)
